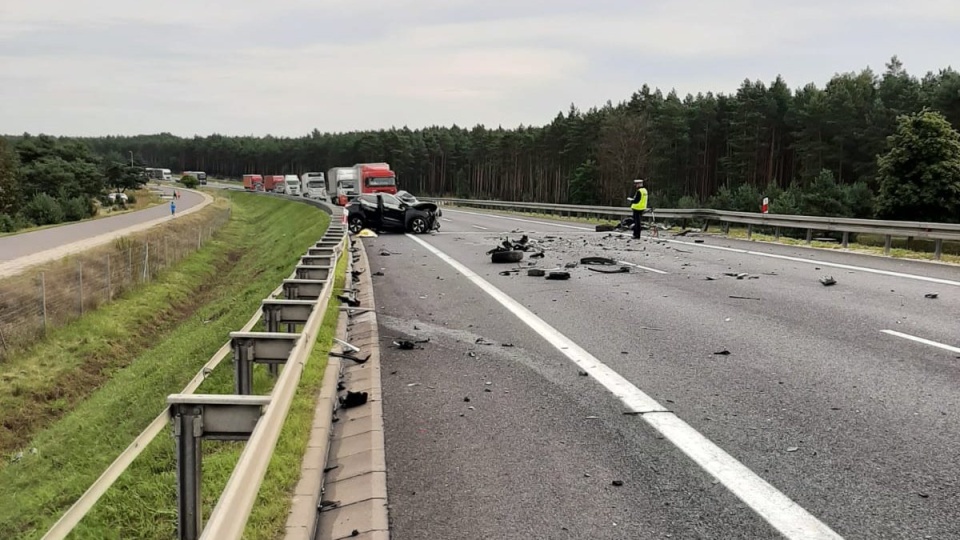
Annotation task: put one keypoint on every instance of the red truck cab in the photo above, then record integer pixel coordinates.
(253, 182)
(271, 181)
(377, 179)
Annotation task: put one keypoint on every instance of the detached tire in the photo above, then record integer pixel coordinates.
(506, 256)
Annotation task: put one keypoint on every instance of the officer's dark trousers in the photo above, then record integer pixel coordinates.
(637, 222)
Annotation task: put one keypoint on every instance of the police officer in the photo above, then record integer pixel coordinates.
(638, 205)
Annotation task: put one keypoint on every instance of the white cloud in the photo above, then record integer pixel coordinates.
(286, 66)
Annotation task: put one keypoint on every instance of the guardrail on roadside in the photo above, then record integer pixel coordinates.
(938, 232)
(239, 416)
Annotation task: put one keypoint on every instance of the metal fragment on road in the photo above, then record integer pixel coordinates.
(828, 281)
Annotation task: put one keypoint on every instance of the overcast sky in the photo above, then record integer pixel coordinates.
(284, 67)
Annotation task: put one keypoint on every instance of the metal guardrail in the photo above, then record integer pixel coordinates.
(889, 229)
(257, 419)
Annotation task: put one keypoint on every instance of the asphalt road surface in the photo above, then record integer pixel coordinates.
(20, 245)
(830, 416)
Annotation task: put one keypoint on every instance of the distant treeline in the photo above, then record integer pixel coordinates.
(725, 151)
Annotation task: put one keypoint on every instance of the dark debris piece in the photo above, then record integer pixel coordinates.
(930, 295)
(353, 399)
(536, 272)
(723, 353)
(605, 261)
(621, 270)
(558, 275)
(828, 281)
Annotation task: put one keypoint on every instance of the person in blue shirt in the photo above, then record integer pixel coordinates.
(173, 207)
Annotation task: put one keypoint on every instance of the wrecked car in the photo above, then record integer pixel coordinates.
(385, 212)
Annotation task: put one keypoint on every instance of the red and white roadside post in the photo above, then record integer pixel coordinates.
(766, 205)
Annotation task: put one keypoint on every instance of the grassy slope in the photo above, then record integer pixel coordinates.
(44, 382)
(261, 246)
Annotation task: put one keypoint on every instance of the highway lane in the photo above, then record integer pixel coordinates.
(857, 426)
(20, 245)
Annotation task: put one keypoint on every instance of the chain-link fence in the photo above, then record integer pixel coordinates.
(54, 294)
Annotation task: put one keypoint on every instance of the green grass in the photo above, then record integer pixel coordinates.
(246, 262)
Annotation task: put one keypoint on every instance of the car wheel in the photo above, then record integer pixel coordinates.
(355, 224)
(418, 225)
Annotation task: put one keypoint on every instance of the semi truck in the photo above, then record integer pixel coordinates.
(253, 182)
(273, 183)
(376, 178)
(313, 185)
(291, 185)
(199, 175)
(343, 180)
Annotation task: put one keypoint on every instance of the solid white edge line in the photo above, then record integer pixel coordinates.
(479, 227)
(774, 507)
(648, 269)
(924, 341)
(822, 263)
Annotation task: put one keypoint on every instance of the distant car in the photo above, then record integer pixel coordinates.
(419, 218)
(113, 196)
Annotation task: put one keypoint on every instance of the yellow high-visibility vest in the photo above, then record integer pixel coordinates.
(642, 205)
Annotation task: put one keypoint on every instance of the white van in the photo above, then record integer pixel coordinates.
(291, 184)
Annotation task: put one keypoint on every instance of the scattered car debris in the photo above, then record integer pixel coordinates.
(504, 256)
(378, 273)
(738, 275)
(605, 228)
(570, 265)
(828, 281)
(536, 272)
(617, 483)
(620, 270)
(744, 298)
(582, 373)
(353, 399)
(349, 299)
(723, 353)
(558, 275)
(466, 400)
(931, 296)
(350, 357)
(793, 449)
(506, 344)
(408, 345)
(698, 241)
(709, 278)
(605, 261)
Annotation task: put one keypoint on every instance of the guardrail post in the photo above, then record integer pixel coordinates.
(776, 233)
(243, 367)
(846, 240)
(195, 418)
(706, 225)
(938, 249)
(188, 430)
(809, 236)
(887, 244)
(749, 231)
(726, 228)
(258, 347)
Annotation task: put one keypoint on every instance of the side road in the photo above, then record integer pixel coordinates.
(21, 251)
(343, 487)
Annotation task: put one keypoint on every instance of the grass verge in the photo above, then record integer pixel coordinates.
(45, 378)
(250, 258)
(916, 249)
(96, 276)
(142, 504)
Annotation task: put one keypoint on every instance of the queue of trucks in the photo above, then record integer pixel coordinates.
(339, 185)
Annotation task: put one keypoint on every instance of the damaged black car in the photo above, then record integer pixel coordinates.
(385, 212)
